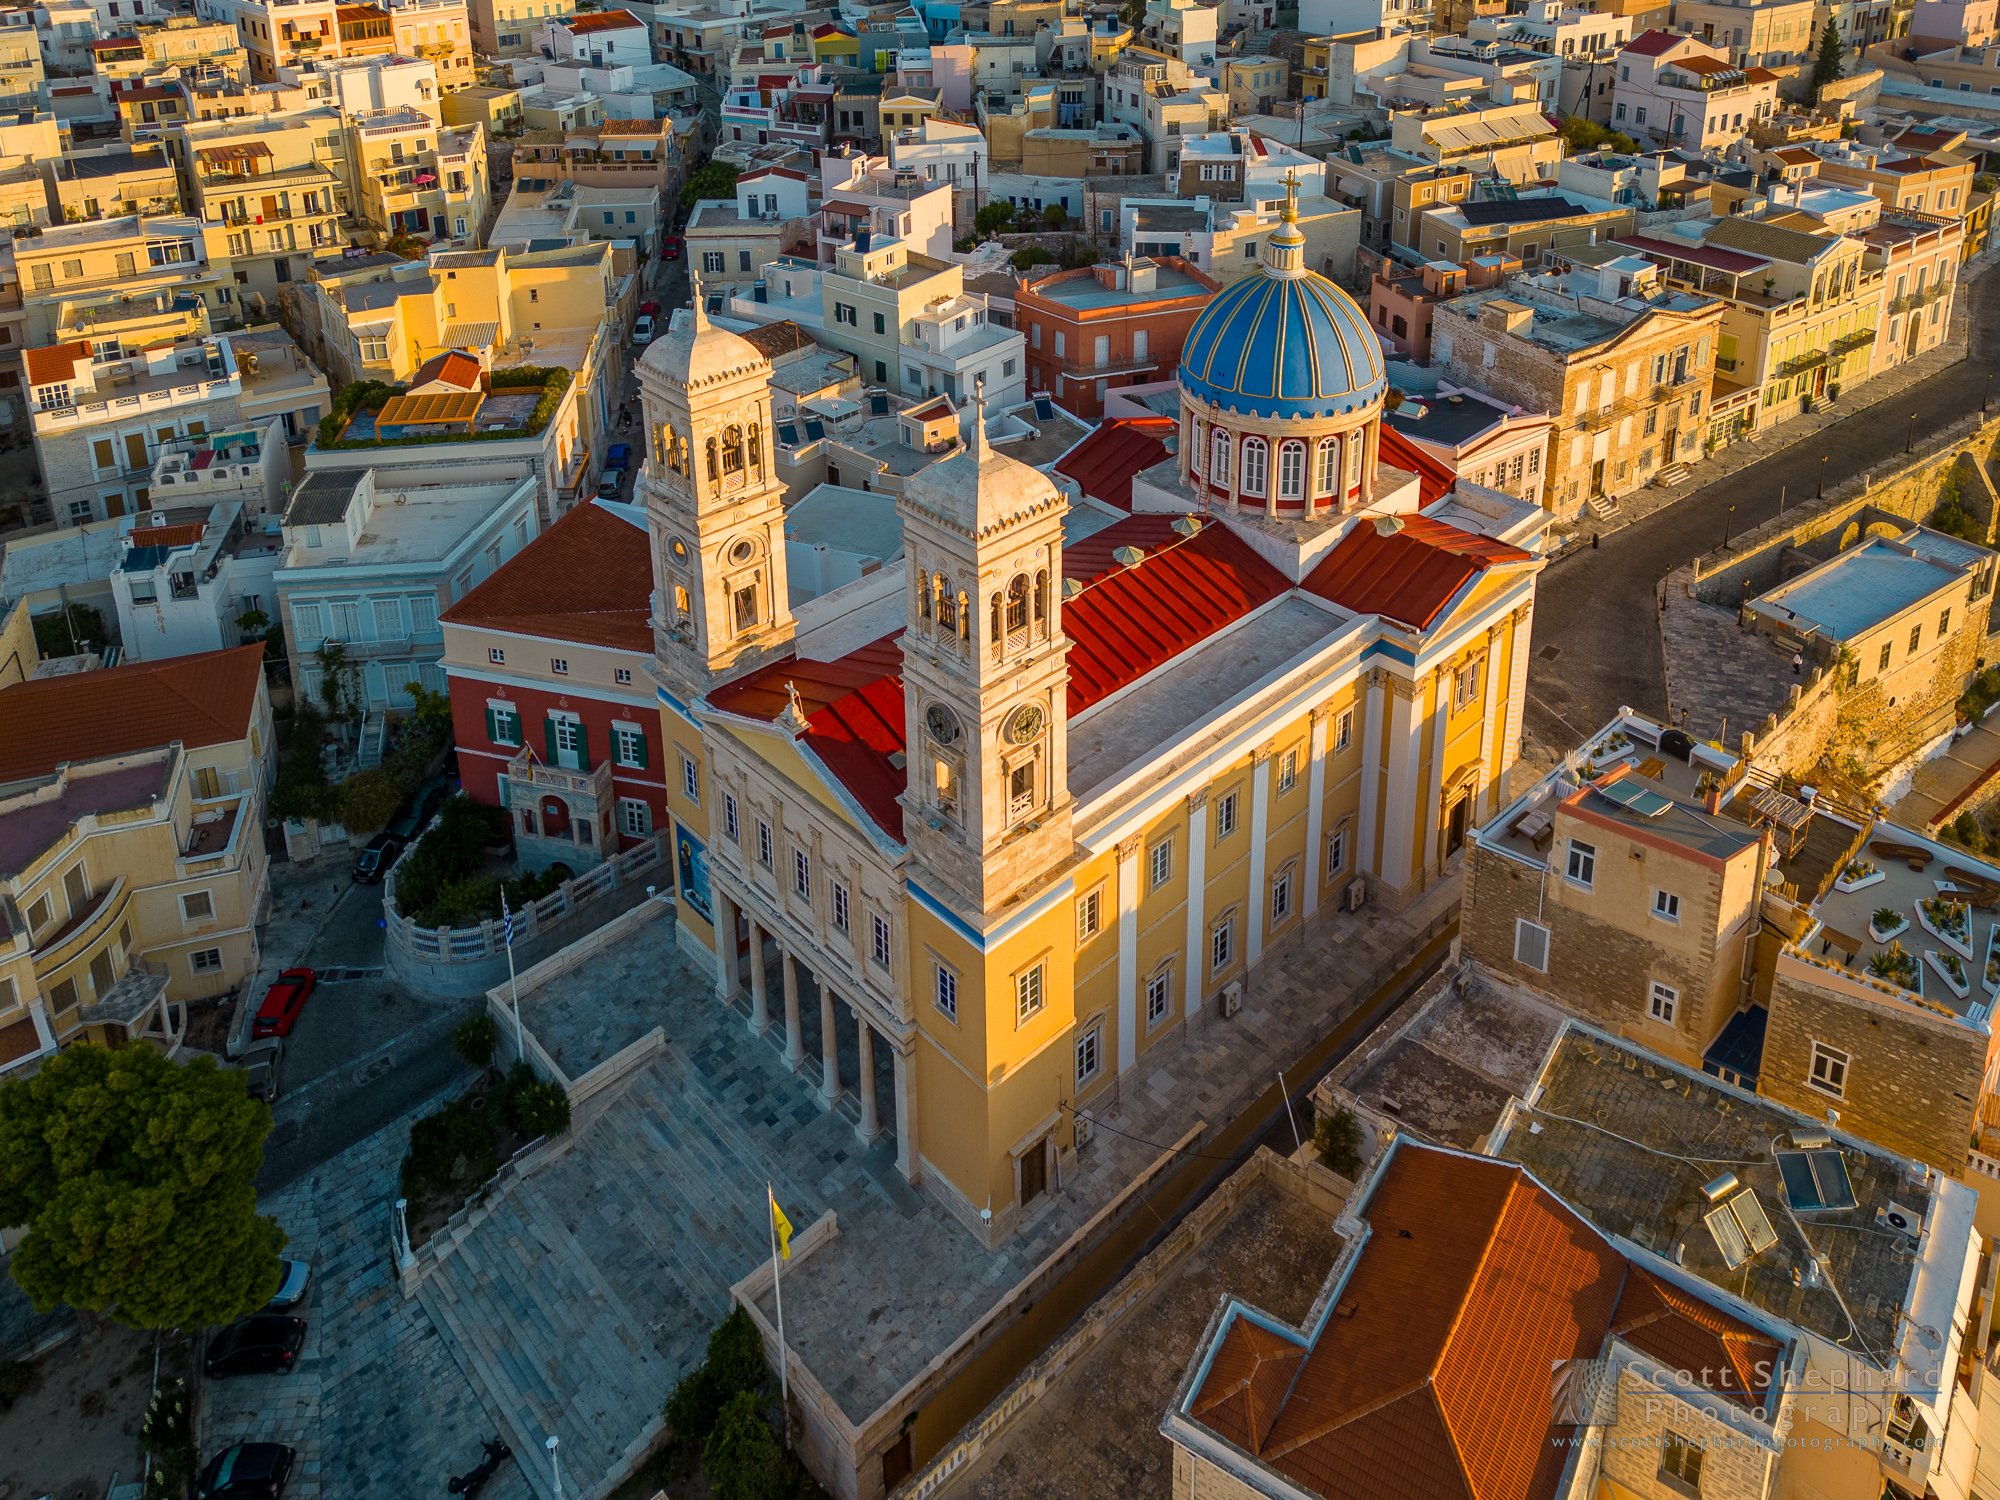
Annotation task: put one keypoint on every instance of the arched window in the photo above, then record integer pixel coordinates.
(1354, 463)
(946, 619)
(1326, 474)
(732, 450)
(756, 446)
(1042, 600)
(1254, 464)
(712, 472)
(1198, 446)
(993, 631)
(964, 619)
(1017, 604)
(924, 598)
(1291, 470)
(1218, 466)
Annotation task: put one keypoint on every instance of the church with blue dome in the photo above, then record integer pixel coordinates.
(1282, 388)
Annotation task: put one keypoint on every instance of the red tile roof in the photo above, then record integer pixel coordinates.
(168, 536)
(199, 700)
(453, 367)
(54, 362)
(1715, 257)
(587, 579)
(1431, 1377)
(1435, 477)
(1105, 463)
(1409, 575)
(1654, 43)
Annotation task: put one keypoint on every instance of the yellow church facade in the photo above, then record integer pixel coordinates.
(1035, 796)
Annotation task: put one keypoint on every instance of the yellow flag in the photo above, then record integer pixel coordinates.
(782, 1225)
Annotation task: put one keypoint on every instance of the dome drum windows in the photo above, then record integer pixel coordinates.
(1276, 473)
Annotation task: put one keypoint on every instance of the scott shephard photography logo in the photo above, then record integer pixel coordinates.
(1583, 1393)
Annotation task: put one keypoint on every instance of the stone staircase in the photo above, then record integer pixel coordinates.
(556, 1305)
(1671, 475)
(1601, 508)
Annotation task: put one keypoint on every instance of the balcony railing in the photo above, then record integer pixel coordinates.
(530, 769)
(1090, 369)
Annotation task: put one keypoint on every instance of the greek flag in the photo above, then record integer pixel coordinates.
(506, 918)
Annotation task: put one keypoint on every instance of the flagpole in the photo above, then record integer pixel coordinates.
(778, 1296)
(513, 990)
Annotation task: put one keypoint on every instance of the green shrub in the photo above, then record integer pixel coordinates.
(736, 1354)
(743, 1457)
(993, 217)
(1980, 694)
(300, 789)
(1337, 1139)
(537, 1108)
(452, 851)
(475, 1040)
(1031, 255)
(692, 1407)
(168, 1433)
(438, 1142)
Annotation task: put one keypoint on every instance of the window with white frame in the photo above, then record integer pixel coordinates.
(1256, 462)
(1662, 1001)
(1828, 1072)
(1581, 865)
(559, 665)
(711, 260)
(628, 748)
(802, 880)
(1029, 994)
(763, 843)
(1090, 1054)
(205, 961)
(1336, 852)
(1666, 906)
(634, 817)
(944, 991)
(1089, 914)
(1531, 945)
(690, 779)
(1159, 996)
(878, 945)
(1326, 473)
(1291, 471)
(1343, 729)
(1160, 862)
(197, 906)
(622, 675)
(1221, 944)
(1225, 816)
(1218, 461)
(503, 723)
(1465, 683)
(838, 904)
(732, 829)
(1288, 771)
(1680, 1462)
(1281, 896)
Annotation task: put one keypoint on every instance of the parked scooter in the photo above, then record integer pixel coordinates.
(497, 1453)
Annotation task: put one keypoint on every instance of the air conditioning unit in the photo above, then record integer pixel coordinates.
(1899, 1220)
(1232, 999)
(1085, 1129)
(1355, 895)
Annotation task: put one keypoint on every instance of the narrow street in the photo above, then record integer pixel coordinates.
(1596, 642)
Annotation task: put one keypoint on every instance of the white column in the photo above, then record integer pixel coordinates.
(870, 1128)
(44, 1037)
(1368, 825)
(1128, 952)
(1405, 744)
(829, 1047)
(795, 1043)
(1315, 868)
(906, 1120)
(1195, 959)
(760, 995)
(1430, 792)
(1492, 717)
(1517, 701)
(725, 948)
(1260, 818)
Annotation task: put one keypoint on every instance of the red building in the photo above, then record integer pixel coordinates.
(1121, 323)
(554, 713)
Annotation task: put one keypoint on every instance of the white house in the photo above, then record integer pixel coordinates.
(601, 38)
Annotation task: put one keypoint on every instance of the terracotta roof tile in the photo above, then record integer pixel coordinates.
(587, 579)
(1654, 43)
(1105, 463)
(453, 367)
(781, 338)
(204, 699)
(54, 362)
(168, 536)
(602, 20)
(1409, 575)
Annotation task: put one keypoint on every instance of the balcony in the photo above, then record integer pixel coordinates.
(100, 911)
(1096, 369)
(129, 1001)
(528, 769)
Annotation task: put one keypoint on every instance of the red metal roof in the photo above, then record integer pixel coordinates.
(587, 579)
(1409, 575)
(1435, 477)
(602, 20)
(1733, 261)
(1105, 463)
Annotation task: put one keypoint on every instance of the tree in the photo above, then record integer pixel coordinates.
(369, 799)
(994, 217)
(1827, 66)
(1582, 134)
(135, 1178)
(70, 631)
(301, 790)
(1055, 215)
(742, 1455)
(338, 677)
(716, 179)
(1337, 1139)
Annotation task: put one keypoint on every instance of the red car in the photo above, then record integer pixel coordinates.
(649, 310)
(670, 247)
(282, 1003)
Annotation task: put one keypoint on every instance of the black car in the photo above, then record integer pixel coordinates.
(373, 862)
(263, 1344)
(258, 1470)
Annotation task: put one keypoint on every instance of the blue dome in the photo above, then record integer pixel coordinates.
(1278, 345)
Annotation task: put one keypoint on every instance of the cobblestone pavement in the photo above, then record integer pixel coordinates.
(377, 1407)
(1597, 642)
(594, 1280)
(1969, 761)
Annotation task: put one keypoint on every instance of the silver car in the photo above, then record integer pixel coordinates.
(264, 1062)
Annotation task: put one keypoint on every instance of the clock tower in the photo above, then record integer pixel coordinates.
(985, 674)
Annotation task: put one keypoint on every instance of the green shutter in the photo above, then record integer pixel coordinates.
(582, 746)
(493, 726)
(549, 734)
(643, 758)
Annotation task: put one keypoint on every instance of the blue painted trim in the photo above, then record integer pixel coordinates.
(986, 942)
(678, 707)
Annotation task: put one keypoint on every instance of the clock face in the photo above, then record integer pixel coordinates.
(1026, 726)
(678, 548)
(942, 724)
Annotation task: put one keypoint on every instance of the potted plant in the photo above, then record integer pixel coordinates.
(1858, 874)
(1949, 921)
(1897, 967)
(1951, 967)
(1886, 923)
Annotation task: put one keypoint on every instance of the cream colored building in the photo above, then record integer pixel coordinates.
(415, 177)
(508, 28)
(133, 814)
(1025, 805)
